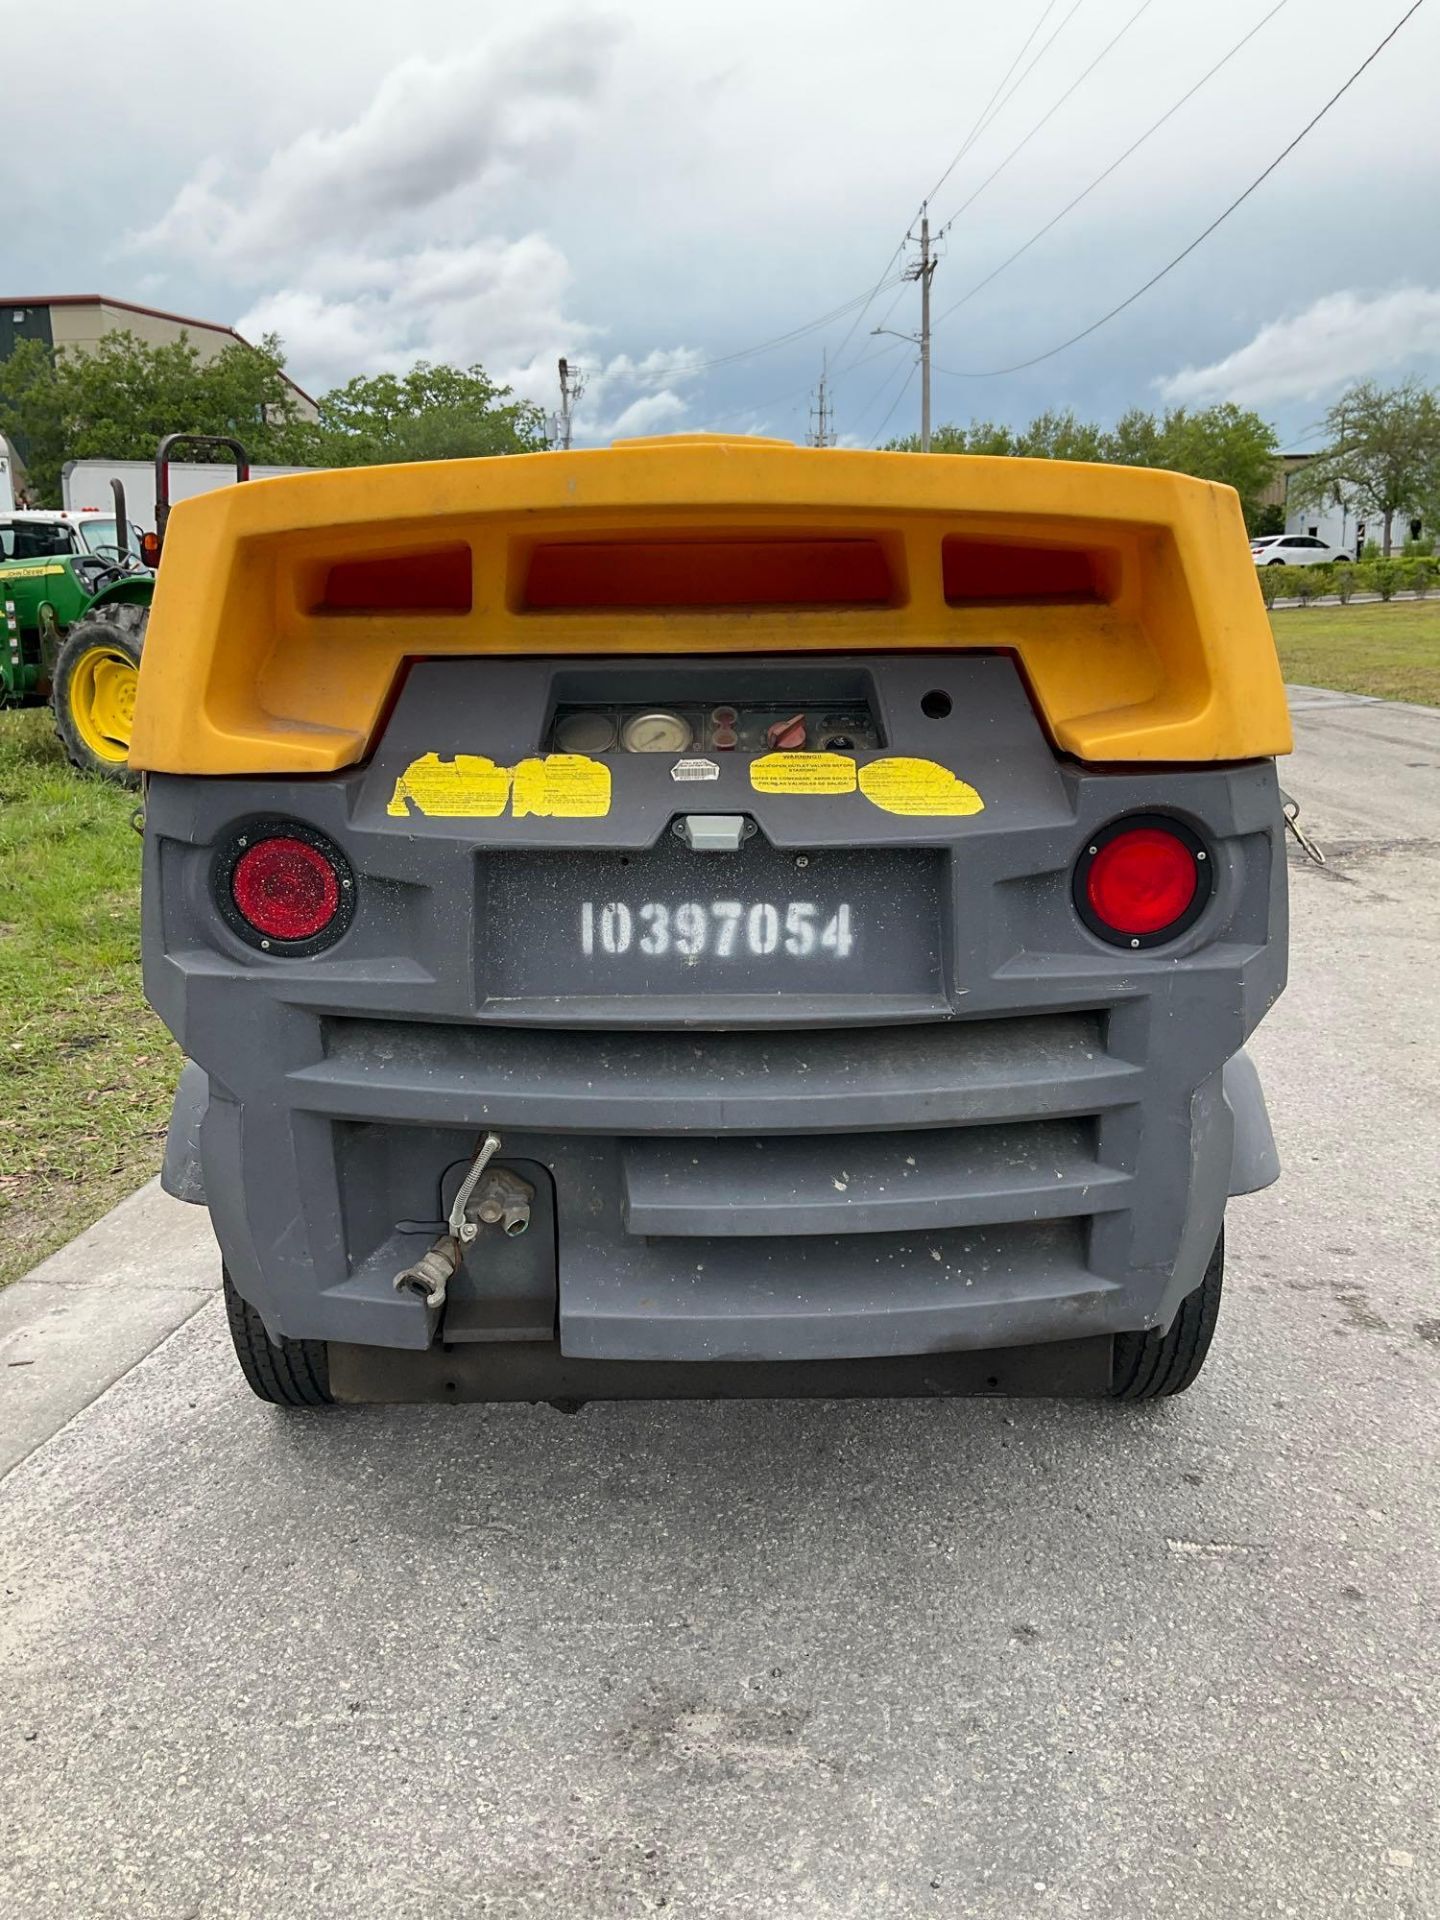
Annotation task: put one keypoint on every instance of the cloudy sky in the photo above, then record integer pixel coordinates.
(666, 191)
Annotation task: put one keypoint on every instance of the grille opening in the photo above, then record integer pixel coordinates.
(427, 580)
(978, 572)
(671, 574)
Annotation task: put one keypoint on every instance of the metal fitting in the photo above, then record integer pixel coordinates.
(432, 1273)
(503, 1199)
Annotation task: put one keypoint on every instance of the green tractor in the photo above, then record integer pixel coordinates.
(75, 589)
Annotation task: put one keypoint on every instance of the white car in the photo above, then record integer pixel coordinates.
(1294, 550)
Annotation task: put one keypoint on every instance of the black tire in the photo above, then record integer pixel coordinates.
(120, 631)
(1150, 1366)
(287, 1373)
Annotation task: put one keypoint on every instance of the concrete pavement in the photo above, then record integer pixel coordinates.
(850, 1660)
(84, 1317)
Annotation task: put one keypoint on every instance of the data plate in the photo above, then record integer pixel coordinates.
(672, 921)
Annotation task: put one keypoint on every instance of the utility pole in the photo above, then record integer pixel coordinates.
(572, 385)
(822, 416)
(924, 271)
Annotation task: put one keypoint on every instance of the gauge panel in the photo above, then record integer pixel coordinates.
(721, 727)
(657, 732)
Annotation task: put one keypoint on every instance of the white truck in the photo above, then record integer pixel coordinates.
(85, 484)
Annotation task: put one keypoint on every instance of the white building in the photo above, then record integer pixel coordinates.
(1339, 523)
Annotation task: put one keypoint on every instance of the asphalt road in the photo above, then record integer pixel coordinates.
(983, 1659)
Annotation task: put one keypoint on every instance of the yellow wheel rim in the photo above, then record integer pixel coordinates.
(102, 702)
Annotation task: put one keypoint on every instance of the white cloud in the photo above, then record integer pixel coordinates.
(359, 243)
(651, 413)
(496, 301)
(1342, 337)
(432, 130)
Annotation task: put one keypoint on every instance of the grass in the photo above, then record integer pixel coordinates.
(1389, 649)
(86, 1070)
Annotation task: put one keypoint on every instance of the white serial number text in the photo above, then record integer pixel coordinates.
(727, 929)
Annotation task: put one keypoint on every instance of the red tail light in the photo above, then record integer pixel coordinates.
(284, 885)
(1142, 880)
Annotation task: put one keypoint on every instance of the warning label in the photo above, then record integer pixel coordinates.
(803, 773)
(921, 789)
(469, 787)
(562, 786)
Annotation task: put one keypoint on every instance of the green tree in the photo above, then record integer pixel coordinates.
(1383, 455)
(1134, 440)
(981, 436)
(118, 400)
(32, 417)
(430, 413)
(1060, 436)
(1225, 443)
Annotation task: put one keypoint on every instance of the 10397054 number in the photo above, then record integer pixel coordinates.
(724, 929)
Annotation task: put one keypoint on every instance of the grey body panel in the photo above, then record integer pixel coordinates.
(1255, 1160)
(988, 1128)
(181, 1173)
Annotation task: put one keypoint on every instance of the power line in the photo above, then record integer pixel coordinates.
(885, 386)
(858, 305)
(994, 373)
(878, 287)
(925, 271)
(784, 339)
(1113, 42)
(752, 407)
(1100, 178)
(988, 120)
(663, 375)
(893, 404)
(981, 121)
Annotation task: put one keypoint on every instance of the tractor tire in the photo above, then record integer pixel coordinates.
(93, 692)
(286, 1373)
(1151, 1366)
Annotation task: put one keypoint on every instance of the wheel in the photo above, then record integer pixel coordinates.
(1149, 1366)
(1276, 563)
(93, 691)
(287, 1373)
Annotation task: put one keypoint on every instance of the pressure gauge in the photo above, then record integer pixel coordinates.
(585, 733)
(656, 733)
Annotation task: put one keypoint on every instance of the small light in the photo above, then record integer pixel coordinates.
(1143, 880)
(286, 889)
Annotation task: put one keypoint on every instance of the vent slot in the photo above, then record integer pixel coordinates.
(981, 572)
(697, 574)
(427, 580)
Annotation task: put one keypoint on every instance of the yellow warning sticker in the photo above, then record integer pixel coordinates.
(562, 786)
(811, 773)
(920, 788)
(469, 787)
